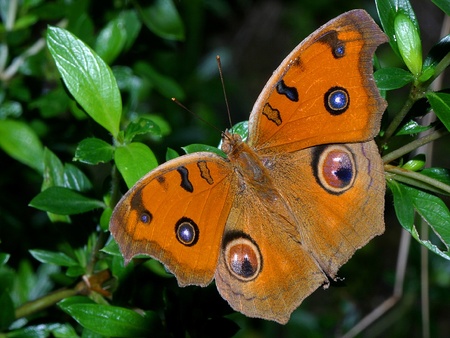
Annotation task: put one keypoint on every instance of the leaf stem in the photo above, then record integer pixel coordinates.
(414, 145)
(398, 118)
(39, 304)
(413, 177)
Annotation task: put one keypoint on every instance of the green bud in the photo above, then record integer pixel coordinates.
(415, 164)
(408, 42)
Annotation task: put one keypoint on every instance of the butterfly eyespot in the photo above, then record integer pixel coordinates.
(243, 258)
(336, 100)
(186, 231)
(146, 217)
(339, 51)
(334, 168)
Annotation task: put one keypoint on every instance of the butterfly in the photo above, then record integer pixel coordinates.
(284, 210)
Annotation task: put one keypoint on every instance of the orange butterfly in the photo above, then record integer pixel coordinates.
(277, 218)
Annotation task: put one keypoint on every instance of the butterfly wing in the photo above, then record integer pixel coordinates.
(337, 194)
(264, 271)
(323, 92)
(168, 215)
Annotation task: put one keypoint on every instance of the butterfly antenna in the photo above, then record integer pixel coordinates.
(196, 115)
(219, 65)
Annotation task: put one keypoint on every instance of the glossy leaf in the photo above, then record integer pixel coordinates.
(75, 179)
(7, 313)
(387, 11)
(444, 5)
(20, 142)
(403, 205)
(409, 43)
(440, 102)
(431, 208)
(440, 174)
(111, 40)
(142, 126)
(94, 151)
(50, 257)
(162, 18)
(113, 321)
(412, 127)
(171, 154)
(64, 201)
(132, 25)
(87, 77)
(134, 160)
(195, 148)
(392, 78)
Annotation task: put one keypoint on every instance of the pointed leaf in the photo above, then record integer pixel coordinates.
(94, 151)
(20, 142)
(392, 78)
(113, 321)
(142, 126)
(162, 18)
(64, 201)
(195, 148)
(440, 102)
(444, 5)
(50, 257)
(87, 77)
(134, 160)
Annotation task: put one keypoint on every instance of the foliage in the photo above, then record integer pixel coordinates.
(67, 145)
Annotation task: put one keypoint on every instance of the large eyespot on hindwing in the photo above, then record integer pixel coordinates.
(336, 100)
(186, 231)
(334, 168)
(242, 256)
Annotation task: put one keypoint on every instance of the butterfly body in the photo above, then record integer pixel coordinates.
(277, 217)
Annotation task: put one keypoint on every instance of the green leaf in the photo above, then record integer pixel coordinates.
(111, 40)
(387, 11)
(412, 127)
(171, 154)
(416, 163)
(142, 126)
(440, 102)
(53, 170)
(403, 205)
(195, 148)
(409, 43)
(7, 314)
(431, 208)
(4, 258)
(87, 77)
(75, 179)
(392, 78)
(162, 18)
(444, 5)
(94, 151)
(132, 25)
(440, 174)
(437, 52)
(134, 160)
(112, 320)
(50, 257)
(20, 142)
(64, 201)
(165, 85)
(11, 109)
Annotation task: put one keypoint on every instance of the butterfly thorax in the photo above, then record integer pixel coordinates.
(248, 166)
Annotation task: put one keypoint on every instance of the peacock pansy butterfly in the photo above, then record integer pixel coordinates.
(286, 209)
